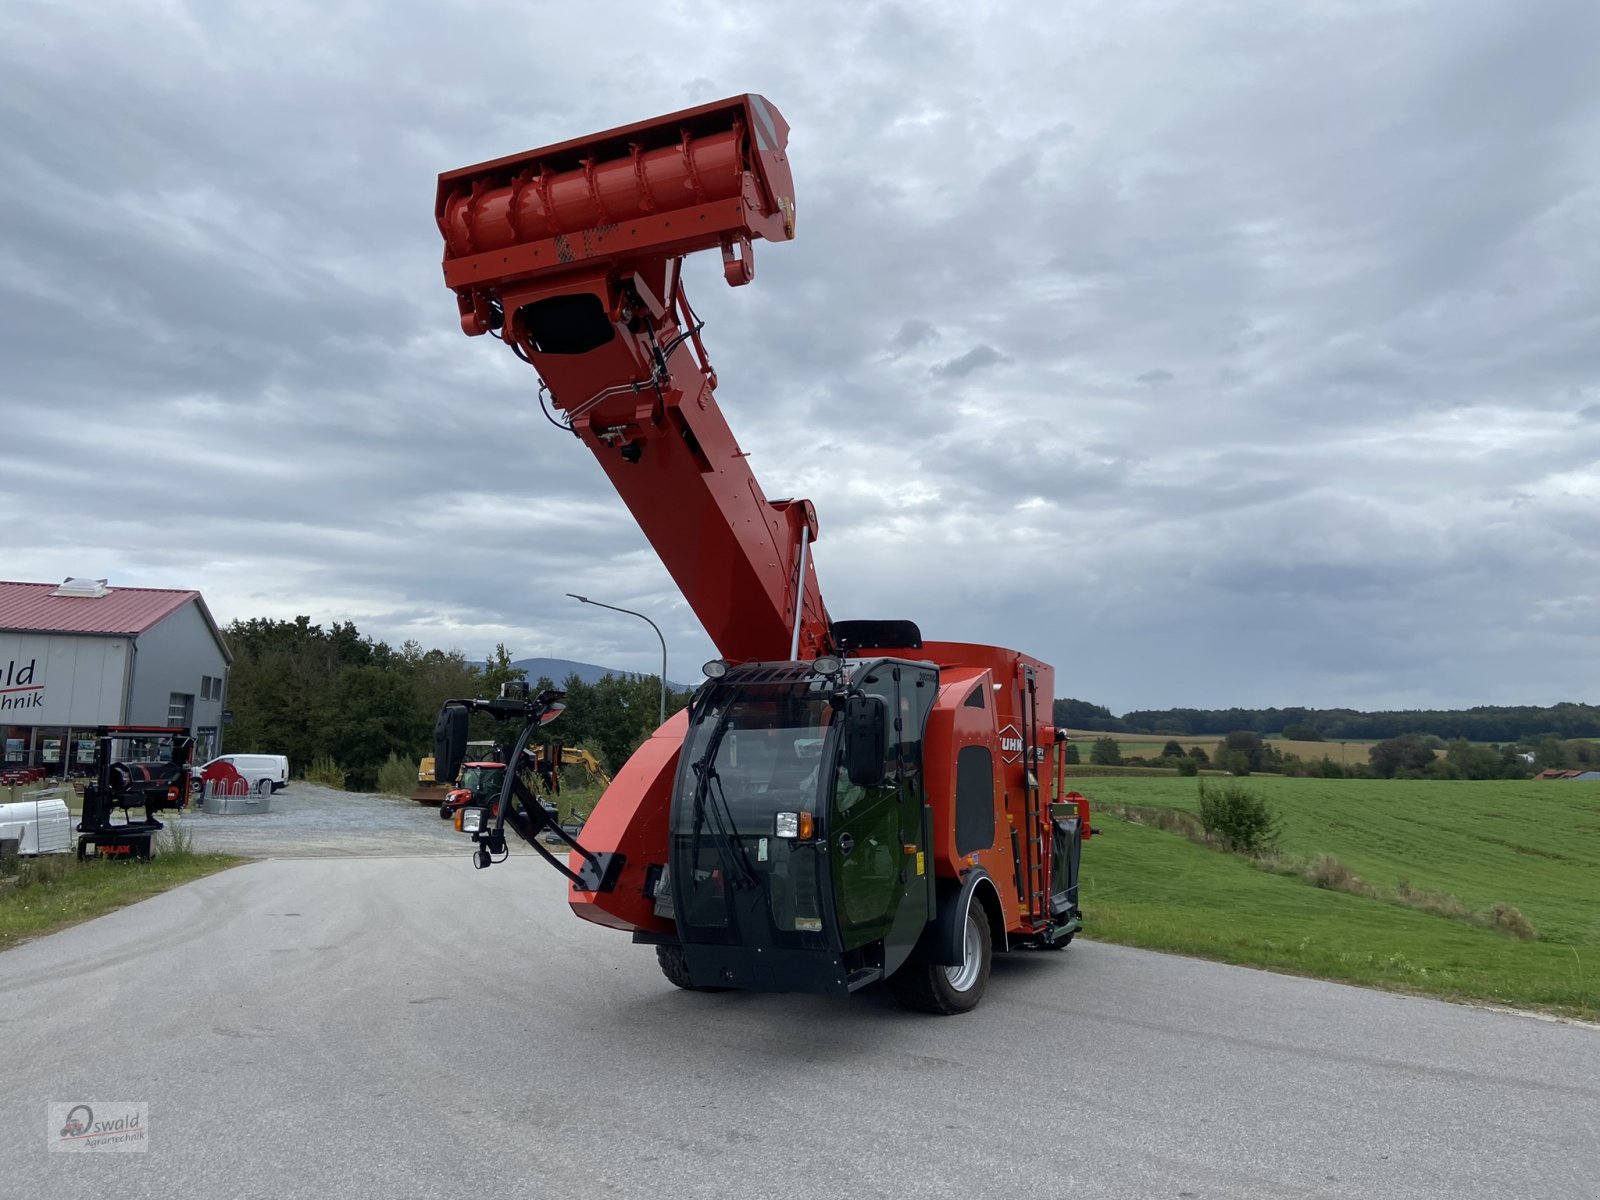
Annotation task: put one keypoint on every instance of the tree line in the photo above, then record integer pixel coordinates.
(1485, 723)
(1409, 756)
(309, 692)
(312, 694)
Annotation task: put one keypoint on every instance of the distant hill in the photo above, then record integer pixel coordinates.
(558, 669)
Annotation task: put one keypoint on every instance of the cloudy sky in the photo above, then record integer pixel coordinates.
(1218, 353)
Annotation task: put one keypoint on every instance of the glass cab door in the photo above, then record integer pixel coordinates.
(876, 835)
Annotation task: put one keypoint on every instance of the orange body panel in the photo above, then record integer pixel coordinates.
(999, 725)
(631, 819)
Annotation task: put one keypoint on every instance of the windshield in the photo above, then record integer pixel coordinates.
(753, 751)
(483, 779)
(758, 747)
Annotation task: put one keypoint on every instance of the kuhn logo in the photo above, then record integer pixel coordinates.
(1010, 744)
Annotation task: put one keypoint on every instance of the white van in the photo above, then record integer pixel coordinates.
(259, 773)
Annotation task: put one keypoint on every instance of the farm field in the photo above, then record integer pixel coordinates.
(1532, 845)
(1144, 745)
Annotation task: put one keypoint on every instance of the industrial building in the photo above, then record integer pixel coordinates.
(80, 654)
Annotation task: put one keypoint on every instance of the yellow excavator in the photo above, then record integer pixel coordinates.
(571, 756)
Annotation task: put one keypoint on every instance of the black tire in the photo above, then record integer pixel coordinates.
(948, 991)
(677, 971)
(1058, 944)
(444, 812)
(263, 787)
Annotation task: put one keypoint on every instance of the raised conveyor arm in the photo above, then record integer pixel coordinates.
(571, 255)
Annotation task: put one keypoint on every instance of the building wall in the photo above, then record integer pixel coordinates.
(172, 657)
(52, 685)
(61, 678)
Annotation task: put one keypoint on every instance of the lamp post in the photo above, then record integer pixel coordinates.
(653, 625)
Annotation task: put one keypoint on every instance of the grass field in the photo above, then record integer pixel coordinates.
(1532, 845)
(1144, 745)
(39, 896)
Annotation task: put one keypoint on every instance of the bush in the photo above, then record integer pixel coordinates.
(1440, 904)
(397, 776)
(1237, 818)
(175, 841)
(1187, 766)
(1329, 873)
(1508, 919)
(1302, 733)
(325, 771)
(43, 869)
(1107, 752)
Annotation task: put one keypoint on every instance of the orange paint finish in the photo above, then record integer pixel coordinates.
(632, 819)
(609, 217)
(540, 204)
(572, 254)
(999, 726)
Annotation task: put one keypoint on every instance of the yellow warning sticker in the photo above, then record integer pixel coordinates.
(919, 862)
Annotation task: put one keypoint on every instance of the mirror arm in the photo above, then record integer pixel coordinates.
(529, 818)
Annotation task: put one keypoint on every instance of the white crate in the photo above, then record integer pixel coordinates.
(41, 826)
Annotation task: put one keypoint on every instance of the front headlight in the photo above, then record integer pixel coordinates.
(795, 825)
(471, 820)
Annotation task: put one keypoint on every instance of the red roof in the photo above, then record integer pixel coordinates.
(30, 608)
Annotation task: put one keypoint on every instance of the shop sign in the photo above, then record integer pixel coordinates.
(20, 685)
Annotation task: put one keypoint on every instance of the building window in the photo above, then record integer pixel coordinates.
(180, 709)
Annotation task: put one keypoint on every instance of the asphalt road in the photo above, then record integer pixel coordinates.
(407, 1027)
(307, 820)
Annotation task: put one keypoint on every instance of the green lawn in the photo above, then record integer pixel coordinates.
(1532, 845)
(56, 891)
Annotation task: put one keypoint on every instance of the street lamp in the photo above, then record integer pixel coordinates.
(653, 625)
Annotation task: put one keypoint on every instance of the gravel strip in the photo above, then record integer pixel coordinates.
(307, 820)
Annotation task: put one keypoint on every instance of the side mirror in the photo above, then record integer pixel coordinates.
(865, 744)
(449, 742)
(550, 714)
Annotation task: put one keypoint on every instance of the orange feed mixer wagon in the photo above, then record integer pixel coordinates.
(843, 801)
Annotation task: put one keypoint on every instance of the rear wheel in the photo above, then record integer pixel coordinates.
(677, 971)
(264, 787)
(950, 990)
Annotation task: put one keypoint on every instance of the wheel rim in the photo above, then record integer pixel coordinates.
(965, 974)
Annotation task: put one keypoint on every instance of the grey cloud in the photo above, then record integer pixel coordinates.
(913, 333)
(976, 359)
(231, 364)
